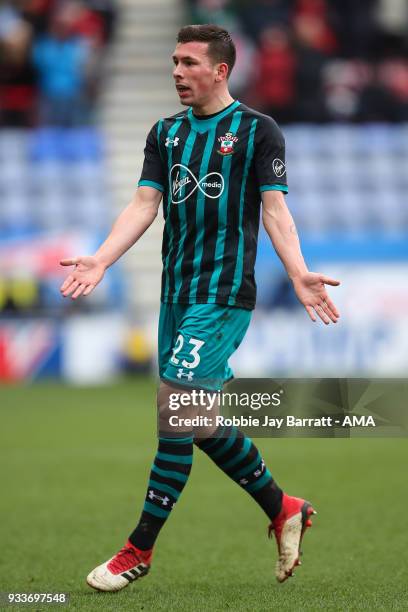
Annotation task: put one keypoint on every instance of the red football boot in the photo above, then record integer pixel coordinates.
(127, 565)
(289, 527)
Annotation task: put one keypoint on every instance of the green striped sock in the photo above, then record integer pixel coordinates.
(169, 474)
(237, 456)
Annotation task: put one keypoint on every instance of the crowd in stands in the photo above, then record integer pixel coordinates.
(317, 60)
(298, 60)
(51, 56)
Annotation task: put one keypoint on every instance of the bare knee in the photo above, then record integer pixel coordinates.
(173, 416)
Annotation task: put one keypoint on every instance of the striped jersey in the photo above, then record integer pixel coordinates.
(211, 171)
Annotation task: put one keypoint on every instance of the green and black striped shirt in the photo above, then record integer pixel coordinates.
(211, 171)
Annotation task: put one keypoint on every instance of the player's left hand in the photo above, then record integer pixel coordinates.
(311, 292)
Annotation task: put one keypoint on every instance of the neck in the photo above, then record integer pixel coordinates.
(215, 105)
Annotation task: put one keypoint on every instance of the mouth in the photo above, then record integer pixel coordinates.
(183, 90)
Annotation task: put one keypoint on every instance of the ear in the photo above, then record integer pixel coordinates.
(221, 72)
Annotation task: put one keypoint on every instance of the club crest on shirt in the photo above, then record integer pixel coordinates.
(227, 144)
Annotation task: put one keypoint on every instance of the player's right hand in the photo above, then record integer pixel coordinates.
(88, 272)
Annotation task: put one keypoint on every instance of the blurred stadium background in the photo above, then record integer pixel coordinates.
(81, 84)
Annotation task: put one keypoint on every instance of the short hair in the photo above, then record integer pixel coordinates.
(221, 47)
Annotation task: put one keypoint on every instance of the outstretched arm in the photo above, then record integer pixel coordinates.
(309, 286)
(127, 229)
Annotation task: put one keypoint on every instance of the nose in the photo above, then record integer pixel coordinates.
(177, 72)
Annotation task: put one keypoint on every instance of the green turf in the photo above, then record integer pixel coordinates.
(74, 466)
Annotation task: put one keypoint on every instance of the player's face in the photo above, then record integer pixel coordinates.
(194, 73)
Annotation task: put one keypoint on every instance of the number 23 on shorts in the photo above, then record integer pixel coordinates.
(194, 352)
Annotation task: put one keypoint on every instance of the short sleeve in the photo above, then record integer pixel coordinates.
(269, 156)
(152, 172)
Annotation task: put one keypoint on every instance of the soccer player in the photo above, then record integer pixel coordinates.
(213, 165)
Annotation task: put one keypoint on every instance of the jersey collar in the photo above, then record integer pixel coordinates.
(202, 125)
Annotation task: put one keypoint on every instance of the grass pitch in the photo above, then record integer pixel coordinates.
(74, 468)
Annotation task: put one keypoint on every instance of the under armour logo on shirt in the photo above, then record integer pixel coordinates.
(174, 143)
